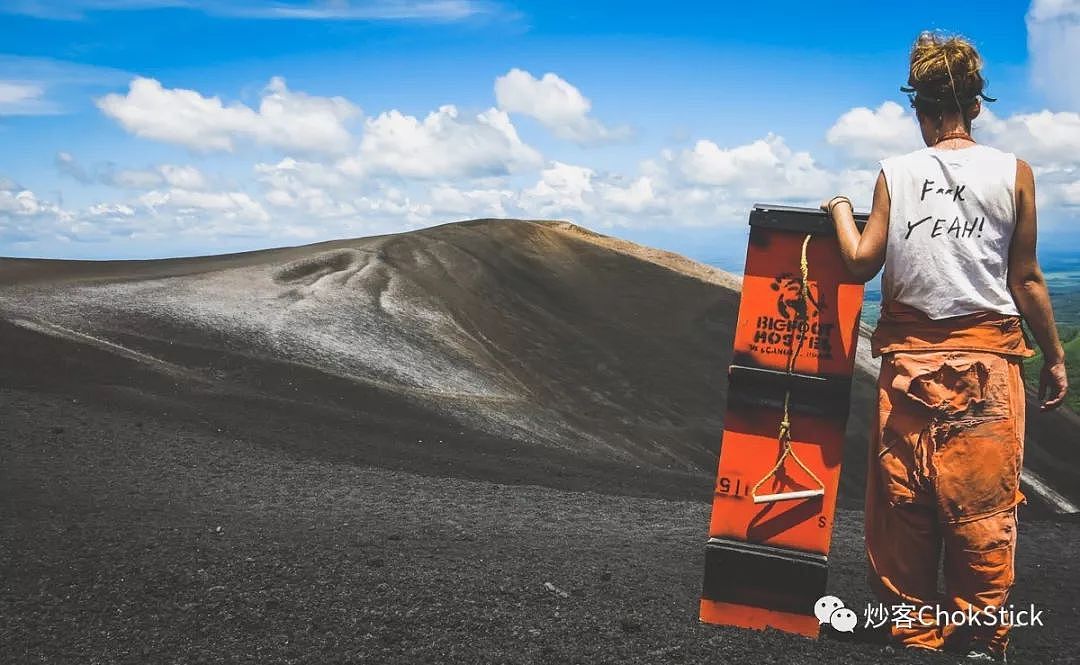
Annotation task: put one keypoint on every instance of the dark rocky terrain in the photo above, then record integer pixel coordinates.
(491, 441)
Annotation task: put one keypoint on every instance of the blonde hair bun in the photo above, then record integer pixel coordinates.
(945, 73)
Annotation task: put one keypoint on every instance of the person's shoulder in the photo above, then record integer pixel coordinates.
(903, 159)
(1024, 173)
(1010, 160)
(989, 150)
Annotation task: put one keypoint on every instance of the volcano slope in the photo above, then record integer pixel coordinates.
(488, 441)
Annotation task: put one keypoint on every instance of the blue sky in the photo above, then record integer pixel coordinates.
(145, 128)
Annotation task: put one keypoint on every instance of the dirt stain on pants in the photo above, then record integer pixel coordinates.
(943, 482)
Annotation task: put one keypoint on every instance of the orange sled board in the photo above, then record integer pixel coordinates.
(789, 386)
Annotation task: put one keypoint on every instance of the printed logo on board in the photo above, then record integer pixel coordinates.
(788, 303)
(795, 317)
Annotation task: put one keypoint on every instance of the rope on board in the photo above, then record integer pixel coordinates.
(784, 435)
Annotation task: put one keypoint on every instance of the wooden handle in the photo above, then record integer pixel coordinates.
(788, 496)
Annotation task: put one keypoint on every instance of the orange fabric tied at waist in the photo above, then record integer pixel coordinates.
(905, 328)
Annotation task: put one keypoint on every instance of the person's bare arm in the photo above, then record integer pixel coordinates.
(1028, 288)
(864, 253)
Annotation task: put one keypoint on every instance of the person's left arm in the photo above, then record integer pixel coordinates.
(864, 253)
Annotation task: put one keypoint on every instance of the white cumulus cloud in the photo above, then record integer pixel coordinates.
(1053, 28)
(872, 134)
(22, 202)
(445, 144)
(110, 210)
(285, 119)
(182, 176)
(471, 202)
(1045, 138)
(25, 217)
(764, 168)
(638, 195)
(172, 175)
(230, 205)
(563, 189)
(556, 104)
(312, 187)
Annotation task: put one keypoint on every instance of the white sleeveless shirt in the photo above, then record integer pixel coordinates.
(951, 221)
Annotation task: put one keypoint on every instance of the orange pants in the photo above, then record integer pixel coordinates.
(943, 481)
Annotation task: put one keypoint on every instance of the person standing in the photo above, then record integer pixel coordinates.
(954, 227)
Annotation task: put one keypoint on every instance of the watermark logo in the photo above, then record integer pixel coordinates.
(831, 611)
(907, 615)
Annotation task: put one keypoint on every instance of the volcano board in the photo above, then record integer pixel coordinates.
(766, 559)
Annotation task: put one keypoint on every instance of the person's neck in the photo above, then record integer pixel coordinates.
(952, 126)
